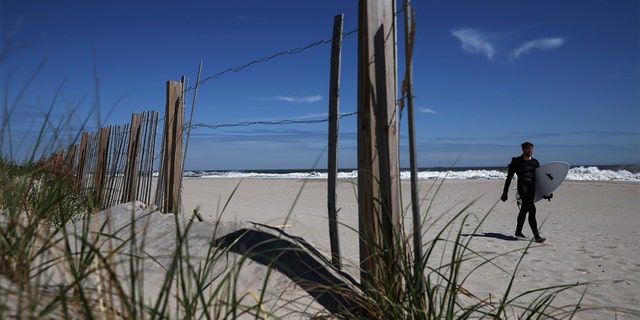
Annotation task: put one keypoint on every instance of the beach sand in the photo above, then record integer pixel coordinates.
(592, 231)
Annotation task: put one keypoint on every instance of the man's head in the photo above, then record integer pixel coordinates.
(527, 148)
(526, 144)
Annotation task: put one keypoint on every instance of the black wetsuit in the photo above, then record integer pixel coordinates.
(525, 169)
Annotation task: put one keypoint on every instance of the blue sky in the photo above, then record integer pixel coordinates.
(487, 76)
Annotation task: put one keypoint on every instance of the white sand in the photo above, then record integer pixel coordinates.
(593, 230)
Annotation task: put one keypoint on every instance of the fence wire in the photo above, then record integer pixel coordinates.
(271, 57)
(268, 58)
(118, 153)
(251, 123)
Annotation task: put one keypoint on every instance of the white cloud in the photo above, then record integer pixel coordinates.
(542, 44)
(309, 99)
(475, 42)
(427, 110)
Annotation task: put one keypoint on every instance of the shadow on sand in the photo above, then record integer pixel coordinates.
(300, 262)
(493, 235)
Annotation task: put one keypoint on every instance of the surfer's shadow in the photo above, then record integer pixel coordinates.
(493, 235)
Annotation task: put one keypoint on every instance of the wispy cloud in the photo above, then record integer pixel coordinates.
(309, 99)
(427, 110)
(542, 44)
(486, 44)
(475, 42)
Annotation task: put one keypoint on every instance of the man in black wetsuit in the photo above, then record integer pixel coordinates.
(524, 166)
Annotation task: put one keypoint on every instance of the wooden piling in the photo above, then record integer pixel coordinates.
(172, 159)
(332, 161)
(378, 161)
(407, 88)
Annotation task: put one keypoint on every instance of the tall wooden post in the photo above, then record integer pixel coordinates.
(378, 162)
(409, 37)
(332, 163)
(172, 158)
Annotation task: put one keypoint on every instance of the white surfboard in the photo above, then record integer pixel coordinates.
(549, 177)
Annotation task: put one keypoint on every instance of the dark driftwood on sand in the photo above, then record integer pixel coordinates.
(292, 257)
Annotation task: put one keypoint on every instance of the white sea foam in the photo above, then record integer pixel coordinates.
(591, 173)
(596, 174)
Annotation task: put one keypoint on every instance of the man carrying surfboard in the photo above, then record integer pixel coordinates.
(524, 166)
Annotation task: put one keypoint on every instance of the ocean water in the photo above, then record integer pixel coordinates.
(579, 173)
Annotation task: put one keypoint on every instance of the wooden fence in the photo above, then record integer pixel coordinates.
(116, 164)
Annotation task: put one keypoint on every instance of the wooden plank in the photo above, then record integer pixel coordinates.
(82, 158)
(101, 167)
(148, 154)
(177, 152)
(129, 192)
(70, 161)
(378, 162)
(367, 163)
(174, 126)
(387, 143)
(332, 161)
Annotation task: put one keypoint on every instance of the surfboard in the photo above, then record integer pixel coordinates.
(549, 177)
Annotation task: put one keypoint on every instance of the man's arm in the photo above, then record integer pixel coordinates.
(507, 182)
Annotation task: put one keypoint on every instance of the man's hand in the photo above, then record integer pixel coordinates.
(504, 197)
(548, 197)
